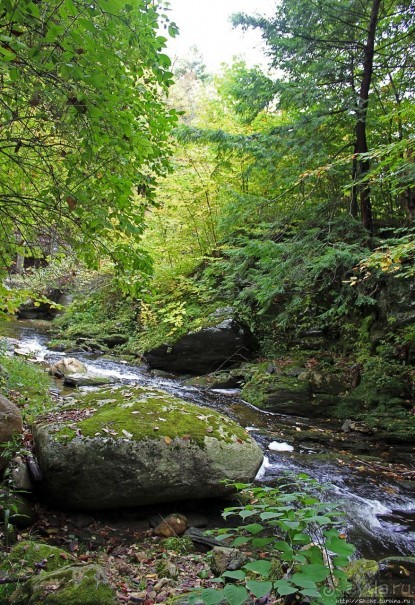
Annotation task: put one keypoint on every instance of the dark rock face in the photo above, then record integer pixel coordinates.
(226, 344)
(41, 310)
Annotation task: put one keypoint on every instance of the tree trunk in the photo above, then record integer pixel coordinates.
(361, 121)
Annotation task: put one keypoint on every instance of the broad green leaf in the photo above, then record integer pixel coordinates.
(234, 575)
(311, 592)
(302, 538)
(259, 589)
(210, 596)
(283, 546)
(340, 561)
(254, 528)
(247, 513)
(235, 595)
(260, 542)
(7, 55)
(284, 588)
(240, 541)
(303, 580)
(260, 566)
(315, 572)
(320, 519)
(269, 515)
(340, 547)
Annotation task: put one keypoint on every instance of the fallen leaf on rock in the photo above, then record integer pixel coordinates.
(156, 428)
(209, 429)
(127, 434)
(167, 440)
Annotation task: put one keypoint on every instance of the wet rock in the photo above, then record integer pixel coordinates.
(140, 446)
(172, 525)
(79, 380)
(224, 344)
(19, 475)
(67, 365)
(218, 380)
(363, 575)
(199, 538)
(357, 427)
(227, 559)
(88, 344)
(114, 340)
(278, 393)
(32, 309)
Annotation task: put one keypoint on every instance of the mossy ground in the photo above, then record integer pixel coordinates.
(25, 558)
(143, 413)
(68, 586)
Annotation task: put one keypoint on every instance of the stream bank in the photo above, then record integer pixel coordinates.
(373, 483)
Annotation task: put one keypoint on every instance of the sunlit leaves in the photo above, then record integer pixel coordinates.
(82, 118)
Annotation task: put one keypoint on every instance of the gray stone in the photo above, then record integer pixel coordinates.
(227, 559)
(10, 423)
(80, 380)
(224, 344)
(19, 475)
(67, 365)
(141, 446)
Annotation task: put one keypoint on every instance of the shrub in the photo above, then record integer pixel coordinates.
(296, 544)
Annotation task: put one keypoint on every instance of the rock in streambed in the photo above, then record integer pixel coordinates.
(122, 447)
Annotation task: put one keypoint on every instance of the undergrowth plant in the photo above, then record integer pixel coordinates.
(296, 545)
(28, 386)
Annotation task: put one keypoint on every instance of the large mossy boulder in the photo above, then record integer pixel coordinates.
(132, 446)
(226, 342)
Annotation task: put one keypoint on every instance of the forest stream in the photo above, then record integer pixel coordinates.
(374, 491)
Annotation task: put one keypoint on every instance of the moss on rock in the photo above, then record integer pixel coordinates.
(25, 557)
(146, 413)
(70, 585)
(128, 446)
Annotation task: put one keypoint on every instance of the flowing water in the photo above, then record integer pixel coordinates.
(379, 508)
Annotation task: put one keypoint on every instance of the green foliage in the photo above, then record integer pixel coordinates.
(287, 524)
(27, 385)
(395, 255)
(99, 308)
(176, 307)
(295, 273)
(341, 84)
(182, 545)
(84, 126)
